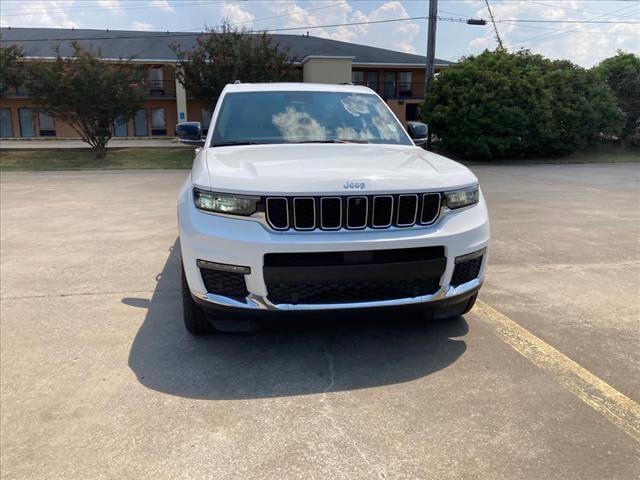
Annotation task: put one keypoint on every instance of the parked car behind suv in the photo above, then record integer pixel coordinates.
(313, 197)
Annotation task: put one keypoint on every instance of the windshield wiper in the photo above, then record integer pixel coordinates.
(234, 143)
(332, 141)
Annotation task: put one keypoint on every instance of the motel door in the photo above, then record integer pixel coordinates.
(140, 123)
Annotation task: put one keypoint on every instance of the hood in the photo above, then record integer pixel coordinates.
(331, 169)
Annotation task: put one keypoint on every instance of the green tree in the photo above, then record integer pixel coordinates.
(622, 74)
(583, 108)
(87, 93)
(501, 104)
(11, 68)
(226, 54)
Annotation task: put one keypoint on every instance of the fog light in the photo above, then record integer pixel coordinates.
(223, 267)
(470, 256)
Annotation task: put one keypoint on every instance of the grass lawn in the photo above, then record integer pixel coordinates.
(598, 154)
(178, 157)
(81, 159)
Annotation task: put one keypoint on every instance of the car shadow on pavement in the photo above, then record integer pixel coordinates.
(290, 356)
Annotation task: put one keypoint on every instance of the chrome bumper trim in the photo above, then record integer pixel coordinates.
(256, 302)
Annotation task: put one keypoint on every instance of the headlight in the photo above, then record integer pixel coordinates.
(224, 202)
(461, 198)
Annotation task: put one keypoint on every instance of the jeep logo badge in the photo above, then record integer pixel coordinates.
(353, 185)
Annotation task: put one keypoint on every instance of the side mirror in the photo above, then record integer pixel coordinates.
(190, 133)
(419, 133)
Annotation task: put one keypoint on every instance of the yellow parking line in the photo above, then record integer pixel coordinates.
(598, 394)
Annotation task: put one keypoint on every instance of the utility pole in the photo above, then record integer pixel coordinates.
(431, 43)
(431, 54)
(495, 27)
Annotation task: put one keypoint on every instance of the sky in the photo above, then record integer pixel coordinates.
(582, 43)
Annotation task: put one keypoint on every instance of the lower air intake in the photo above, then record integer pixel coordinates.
(227, 284)
(466, 271)
(351, 292)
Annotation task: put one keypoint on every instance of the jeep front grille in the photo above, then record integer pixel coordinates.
(355, 212)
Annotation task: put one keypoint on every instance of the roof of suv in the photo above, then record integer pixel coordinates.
(295, 87)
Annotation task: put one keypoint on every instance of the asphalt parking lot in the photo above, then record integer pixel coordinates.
(100, 380)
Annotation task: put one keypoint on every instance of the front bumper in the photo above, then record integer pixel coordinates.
(238, 241)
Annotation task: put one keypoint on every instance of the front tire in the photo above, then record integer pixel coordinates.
(195, 319)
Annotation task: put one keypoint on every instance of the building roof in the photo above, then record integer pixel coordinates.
(156, 46)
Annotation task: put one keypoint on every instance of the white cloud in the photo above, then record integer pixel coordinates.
(142, 26)
(234, 13)
(162, 5)
(397, 35)
(40, 13)
(111, 5)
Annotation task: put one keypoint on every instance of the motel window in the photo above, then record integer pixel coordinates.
(357, 77)
(156, 81)
(404, 84)
(6, 127)
(158, 123)
(372, 80)
(389, 84)
(412, 112)
(46, 125)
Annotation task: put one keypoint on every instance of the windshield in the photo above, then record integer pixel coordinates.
(305, 117)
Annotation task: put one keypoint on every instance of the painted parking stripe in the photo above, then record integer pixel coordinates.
(595, 392)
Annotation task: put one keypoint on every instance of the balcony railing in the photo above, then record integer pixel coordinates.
(153, 89)
(160, 88)
(396, 90)
(19, 92)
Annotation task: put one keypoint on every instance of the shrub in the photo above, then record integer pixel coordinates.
(622, 74)
(501, 104)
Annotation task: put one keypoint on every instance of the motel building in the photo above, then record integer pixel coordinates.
(396, 76)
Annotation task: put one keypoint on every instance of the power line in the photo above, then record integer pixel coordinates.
(568, 21)
(564, 30)
(369, 22)
(279, 16)
(181, 4)
(555, 35)
(182, 34)
(200, 29)
(91, 8)
(553, 5)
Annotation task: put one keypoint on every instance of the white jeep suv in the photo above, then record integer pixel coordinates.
(313, 197)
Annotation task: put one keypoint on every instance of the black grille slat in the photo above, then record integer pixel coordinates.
(407, 210)
(355, 212)
(278, 213)
(304, 213)
(466, 271)
(351, 292)
(331, 213)
(227, 284)
(430, 208)
(382, 215)
(315, 259)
